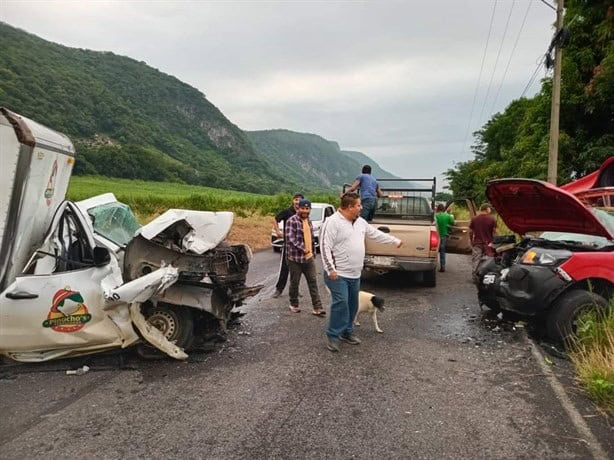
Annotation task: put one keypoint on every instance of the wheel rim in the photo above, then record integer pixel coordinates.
(165, 322)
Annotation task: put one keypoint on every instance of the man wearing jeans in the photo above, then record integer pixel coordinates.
(369, 193)
(342, 240)
(301, 253)
(444, 220)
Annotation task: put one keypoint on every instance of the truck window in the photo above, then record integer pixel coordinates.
(403, 206)
(115, 222)
(67, 249)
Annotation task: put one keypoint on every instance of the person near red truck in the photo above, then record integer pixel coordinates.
(483, 228)
(300, 252)
(342, 240)
(444, 220)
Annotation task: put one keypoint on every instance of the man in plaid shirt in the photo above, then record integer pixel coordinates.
(300, 247)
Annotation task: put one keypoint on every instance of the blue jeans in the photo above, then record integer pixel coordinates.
(345, 304)
(442, 251)
(368, 208)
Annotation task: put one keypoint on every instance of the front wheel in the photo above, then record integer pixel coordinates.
(176, 324)
(563, 318)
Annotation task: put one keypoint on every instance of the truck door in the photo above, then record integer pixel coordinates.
(57, 302)
(458, 241)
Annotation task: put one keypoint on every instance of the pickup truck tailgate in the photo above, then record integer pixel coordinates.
(416, 240)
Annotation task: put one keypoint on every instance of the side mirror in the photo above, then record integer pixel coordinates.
(102, 256)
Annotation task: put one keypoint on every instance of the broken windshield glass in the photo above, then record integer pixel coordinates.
(115, 222)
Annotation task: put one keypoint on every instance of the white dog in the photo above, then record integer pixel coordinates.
(369, 303)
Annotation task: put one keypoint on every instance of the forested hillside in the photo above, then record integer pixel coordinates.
(131, 121)
(310, 159)
(126, 118)
(515, 143)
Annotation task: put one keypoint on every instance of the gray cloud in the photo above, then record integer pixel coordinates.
(394, 79)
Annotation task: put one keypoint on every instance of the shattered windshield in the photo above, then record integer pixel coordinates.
(115, 222)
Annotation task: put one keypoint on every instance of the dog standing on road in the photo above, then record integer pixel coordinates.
(369, 303)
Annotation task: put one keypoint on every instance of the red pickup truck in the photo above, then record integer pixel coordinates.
(564, 263)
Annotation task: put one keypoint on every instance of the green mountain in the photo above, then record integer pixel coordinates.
(126, 118)
(132, 121)
(311, 160)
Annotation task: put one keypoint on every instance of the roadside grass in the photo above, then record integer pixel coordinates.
(592, 354)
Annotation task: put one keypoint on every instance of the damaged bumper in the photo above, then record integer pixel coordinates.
(526, 290)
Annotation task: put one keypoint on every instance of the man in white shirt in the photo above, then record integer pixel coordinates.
(342, 244)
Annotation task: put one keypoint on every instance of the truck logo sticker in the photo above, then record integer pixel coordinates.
(51, 184)
(68, 312)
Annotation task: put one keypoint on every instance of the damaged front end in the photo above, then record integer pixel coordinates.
(212, 273)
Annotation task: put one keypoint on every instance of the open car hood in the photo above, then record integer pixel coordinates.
(528, 205)
(191, 231)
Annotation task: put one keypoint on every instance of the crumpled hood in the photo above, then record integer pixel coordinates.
(198, 231)
(528, 205)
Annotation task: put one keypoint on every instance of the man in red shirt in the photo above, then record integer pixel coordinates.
(483, 228)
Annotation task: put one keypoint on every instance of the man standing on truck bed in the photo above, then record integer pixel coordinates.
(342, 239)
(283, 216)
(369, 192)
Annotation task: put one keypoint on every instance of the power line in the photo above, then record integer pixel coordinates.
(496, 61)
(492, 109)
(532, 79)
(548, 4)
(477, 86)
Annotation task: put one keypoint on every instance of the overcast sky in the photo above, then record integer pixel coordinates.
(393, 79)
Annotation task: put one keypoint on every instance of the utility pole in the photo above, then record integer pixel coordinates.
(553, 151)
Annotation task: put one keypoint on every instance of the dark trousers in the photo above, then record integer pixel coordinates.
(309, 270)
(283, 271)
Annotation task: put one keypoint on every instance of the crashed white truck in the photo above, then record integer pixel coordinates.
(79, 278)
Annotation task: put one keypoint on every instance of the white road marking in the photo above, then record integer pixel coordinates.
(576, 418)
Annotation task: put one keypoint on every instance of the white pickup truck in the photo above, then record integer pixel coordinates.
(78, 278)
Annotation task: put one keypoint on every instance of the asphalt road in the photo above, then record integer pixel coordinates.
(444, 380)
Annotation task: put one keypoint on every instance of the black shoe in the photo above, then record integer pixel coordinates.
(277, 294)
(350, 338)
(333, 344)
(442, 269)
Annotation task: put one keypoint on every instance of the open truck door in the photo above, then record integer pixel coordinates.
(459, 241)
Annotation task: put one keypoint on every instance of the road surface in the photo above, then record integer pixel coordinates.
(444, 380)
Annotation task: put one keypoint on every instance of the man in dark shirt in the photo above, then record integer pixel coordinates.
(483, 228)
(283, 216)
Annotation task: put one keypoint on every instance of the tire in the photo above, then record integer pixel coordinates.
(561, 321)
(430, 278)
(175, 322)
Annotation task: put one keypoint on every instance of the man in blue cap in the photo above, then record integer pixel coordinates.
(300, 250)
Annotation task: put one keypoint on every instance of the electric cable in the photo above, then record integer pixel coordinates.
(492, 109)
(477, 86)
(548, 4)
(531, 80)
(492, 75)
